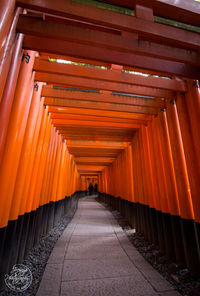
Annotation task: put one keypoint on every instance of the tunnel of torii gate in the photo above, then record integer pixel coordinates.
(102, 93)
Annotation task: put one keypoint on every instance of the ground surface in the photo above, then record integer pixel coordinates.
(94, 257)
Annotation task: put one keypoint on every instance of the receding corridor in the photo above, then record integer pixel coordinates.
(94, 257)
(99, 97)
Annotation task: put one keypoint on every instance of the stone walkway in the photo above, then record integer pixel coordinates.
(94, 257)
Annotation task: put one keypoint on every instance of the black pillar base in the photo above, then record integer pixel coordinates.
(191, 246)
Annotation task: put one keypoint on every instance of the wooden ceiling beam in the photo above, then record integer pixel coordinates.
(102, 97)
(111, 56)
(127, 44)
(94, 118)
(108, 75)
(93, 84)
(59, 123)
(114, 20)
(97, 137)
(182, 11)
(102, 113)
(100, 106)
(96, 144)
(93, 159)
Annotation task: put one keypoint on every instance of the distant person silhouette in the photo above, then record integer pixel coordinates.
(95, 188)
(91, 188)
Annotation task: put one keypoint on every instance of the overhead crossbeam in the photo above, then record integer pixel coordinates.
(115, 20)
(110, 56)
(94, 118)
(97, 144)
(127, 44)
(94, 159)
(88, 136)
(61, 123)
(103, 113)
(182, 11)
(99, 106)
(79, 82)
(107, 75)
(102, 97)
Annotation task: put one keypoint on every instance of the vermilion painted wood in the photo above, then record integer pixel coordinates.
(184, 10)
(41, 168)
(96, 144)
(61, 180)
(56, 170)
(8, 93)
(99, 106)
(191, 159)
(109, 75)
(148, 166)
(55, 150)
(102, 97)
(162, 131)
(193, 102)
(15, 136)
(111, 56)
(6, 15)
(60, 123)
(25, 157)
(125, 42)
(45, 184)
(104, 113)
(28, 179)
(159, 179)
(181, 173)
(115, 20)
(76, 117)
(8, 22)
(33, 183)
(78, 82)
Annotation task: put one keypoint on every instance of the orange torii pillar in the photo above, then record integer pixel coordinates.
(192, 251)
(9, 17)
(12, 149)
(162, 134)
(192, 101)
(23, 168)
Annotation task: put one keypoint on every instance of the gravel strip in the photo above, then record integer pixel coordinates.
(39, 255)
(180, 278)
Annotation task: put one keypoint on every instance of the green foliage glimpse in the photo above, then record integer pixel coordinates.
(107, 6)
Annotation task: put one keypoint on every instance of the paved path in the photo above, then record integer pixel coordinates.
(94, 257)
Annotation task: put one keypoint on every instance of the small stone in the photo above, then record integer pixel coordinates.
(162, 259)
(175, 278)
(172, 268)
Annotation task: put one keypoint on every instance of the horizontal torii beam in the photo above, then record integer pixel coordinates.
(99, 106)
(58, 123)
(94, 144)
(182, 11)
(83, 147)
(90, 167)
(101, 97)
(110, 56)
(36, 27)
(107, 75)
(89, 174)
(103, 113)
(89, 137)
(77, 82)
(93, 118)
(115, 20)
(94, 159)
